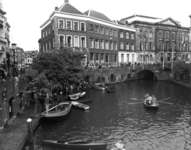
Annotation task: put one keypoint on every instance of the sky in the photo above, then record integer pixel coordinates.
(26, 16)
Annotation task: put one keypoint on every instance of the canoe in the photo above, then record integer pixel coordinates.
(154, 104)
(100, 86)
(82, 94)
(58, 112)
(80, 105)
(75, 96)
(76, 145)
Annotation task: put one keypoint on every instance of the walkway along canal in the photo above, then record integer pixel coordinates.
(111, 117)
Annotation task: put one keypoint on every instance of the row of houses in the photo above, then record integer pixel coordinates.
(134, 39)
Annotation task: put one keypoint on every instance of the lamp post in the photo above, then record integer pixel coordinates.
(163, 56)
(172, 55)
(14, 68)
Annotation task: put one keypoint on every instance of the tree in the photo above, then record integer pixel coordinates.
(54, 68)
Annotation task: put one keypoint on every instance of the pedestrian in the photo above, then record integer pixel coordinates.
(47, 103)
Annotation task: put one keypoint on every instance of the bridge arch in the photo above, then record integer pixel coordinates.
(146, 74)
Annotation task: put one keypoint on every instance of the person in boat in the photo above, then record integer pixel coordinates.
(47, 102)
(120, 144)
(148, 99)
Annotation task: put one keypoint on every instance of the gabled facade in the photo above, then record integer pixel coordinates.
(159, 39)
(91, 31)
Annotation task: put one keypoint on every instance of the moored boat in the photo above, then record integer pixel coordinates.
(82, 94)
(57, 112)
(80, 105)
(77, 145)
(75, 96)
(100, 86)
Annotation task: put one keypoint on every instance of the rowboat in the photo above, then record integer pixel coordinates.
(74, 96)
(57, 112)
(100, 86)
(76, 145)
(154, 104)
(80, 105)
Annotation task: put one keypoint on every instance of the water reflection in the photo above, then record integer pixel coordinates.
(110, 118)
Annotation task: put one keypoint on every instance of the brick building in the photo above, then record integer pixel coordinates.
(93, 32)
(158, 39)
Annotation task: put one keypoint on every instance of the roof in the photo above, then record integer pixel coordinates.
(67, 8)
(169, 20)
(98, 15)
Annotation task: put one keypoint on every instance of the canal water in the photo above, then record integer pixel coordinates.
(111, 118)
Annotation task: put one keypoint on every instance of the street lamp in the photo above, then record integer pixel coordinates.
(172, 55)
(14, 48)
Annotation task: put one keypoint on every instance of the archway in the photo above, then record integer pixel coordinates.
(146, 75)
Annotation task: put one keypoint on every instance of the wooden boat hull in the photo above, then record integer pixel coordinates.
(80, 105)
(77, 145)
(57, 115)
(74, 96)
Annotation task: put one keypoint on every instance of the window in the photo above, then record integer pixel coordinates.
(127, 35)
(49, 30)
(42, 34)
(97, 44)
(53, 26)
(111, 45)
(111, 32)
(76, 41)
(173, 36)
(115, 45)
(46, 33)
(121, 34)
(106, 57)
(91, 27)
(102, 58)
(133, 55)
(46, 45)
(115, 33)
(121, 45)
(101, 30)
(97, 58)
(102, 44)
(60, 24)
(69, 25)
(127, 58)
(76, 26)
(82, 26)
(91, 43)
(122, 58)
(96, 29)
(91, 56)
(43, 47)
(166, 35)
(115, 58)
(49, 44)
(83, 41)
(127, 46)
(132, 46)
(106, 31)
(132, 36)
(69, 40)
(62, 40)
(106, 45)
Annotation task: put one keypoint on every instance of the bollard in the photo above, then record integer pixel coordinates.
(30, 132)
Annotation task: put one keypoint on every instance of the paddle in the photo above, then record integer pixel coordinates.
(135, 99)
(164, 99)
(167, 103)
(136, 103)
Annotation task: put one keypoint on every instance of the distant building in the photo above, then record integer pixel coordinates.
(4, 36)
(93, 32)
(159, 39)
(29, 56)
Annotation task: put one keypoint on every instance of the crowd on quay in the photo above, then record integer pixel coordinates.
(58, 95)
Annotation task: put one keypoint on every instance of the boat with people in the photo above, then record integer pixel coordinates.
(76, 145)
(80, 105)
(150, 101)
(58, 112)
(100, 86)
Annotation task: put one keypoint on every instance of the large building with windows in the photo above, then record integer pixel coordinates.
(91, 31)
(159, 39)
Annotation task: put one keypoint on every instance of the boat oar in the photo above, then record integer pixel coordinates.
(166, 103)
(135, 99)
(135, 103)
(164, 99)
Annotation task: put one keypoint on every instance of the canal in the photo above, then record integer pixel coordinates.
(111, 118)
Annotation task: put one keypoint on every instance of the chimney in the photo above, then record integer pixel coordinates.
(56, 8)
(66, 1)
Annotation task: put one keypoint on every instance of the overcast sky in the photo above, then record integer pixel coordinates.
(26, 16)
